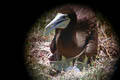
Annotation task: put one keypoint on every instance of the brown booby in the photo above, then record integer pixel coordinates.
(75, 30)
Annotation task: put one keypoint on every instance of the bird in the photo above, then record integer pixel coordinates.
(75, 30)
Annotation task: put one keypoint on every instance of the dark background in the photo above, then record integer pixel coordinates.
(24, 14)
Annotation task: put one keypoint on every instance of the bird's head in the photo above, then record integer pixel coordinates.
(64, 17)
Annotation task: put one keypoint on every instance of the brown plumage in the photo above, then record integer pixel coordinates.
(80, 33)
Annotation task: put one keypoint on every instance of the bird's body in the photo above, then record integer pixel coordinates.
(80, 33)
(70, 43)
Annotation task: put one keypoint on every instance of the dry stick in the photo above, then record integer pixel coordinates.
(107, 43)
(108, 53)
(101, 42)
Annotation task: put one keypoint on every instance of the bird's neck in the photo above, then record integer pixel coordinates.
(66, 35)
(70, 28)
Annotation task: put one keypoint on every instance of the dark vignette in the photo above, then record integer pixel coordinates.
(27, 14)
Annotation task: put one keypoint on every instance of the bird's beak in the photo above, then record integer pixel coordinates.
(60, 21)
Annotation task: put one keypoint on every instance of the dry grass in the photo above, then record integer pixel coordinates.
(37, 55)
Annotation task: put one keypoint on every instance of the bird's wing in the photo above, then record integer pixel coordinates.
(91, 47)
(53, 45)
